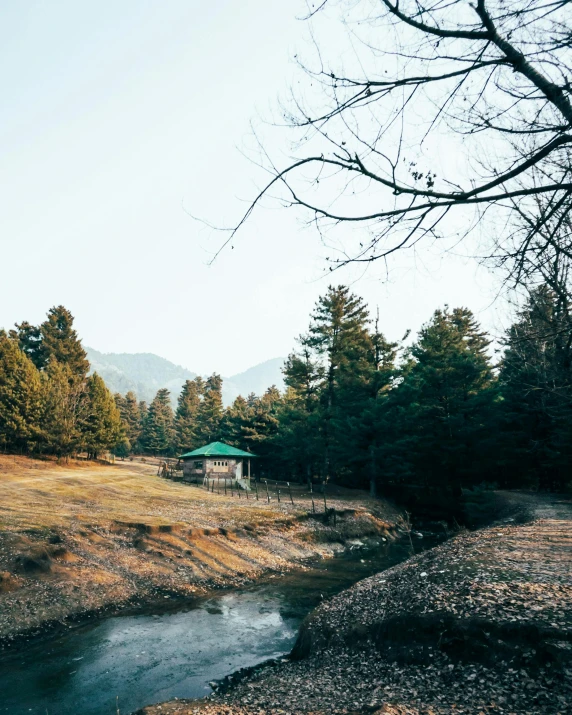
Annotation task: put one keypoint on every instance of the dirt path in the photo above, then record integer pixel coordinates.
(481, 624)
(85, 539)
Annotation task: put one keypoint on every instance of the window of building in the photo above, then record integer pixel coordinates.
(198, 465)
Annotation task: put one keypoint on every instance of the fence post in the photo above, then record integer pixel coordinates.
(225, 487)
(267, 494)
(278, 492)
(324, 490)
(256, 490)
(312, 498)
(290, 491)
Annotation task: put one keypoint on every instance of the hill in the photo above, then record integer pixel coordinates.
(145, 373)
(256, 379)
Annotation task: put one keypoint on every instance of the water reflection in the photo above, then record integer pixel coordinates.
(149, 658)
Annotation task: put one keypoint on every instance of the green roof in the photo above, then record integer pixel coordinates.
(217, 449)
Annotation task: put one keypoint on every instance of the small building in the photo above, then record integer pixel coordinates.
(216, 460)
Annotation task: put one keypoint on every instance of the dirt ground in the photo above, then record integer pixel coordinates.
(480, 624)
(84, 538)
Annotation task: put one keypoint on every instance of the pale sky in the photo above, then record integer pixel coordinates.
(117, 115)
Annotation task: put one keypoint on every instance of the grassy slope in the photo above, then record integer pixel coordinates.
(84, 537)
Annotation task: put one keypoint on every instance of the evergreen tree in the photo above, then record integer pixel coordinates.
(210, 412)
(120, 404)
(101, 424)
(130, 418)
(143, 410)
(339, 336)
(158, 429)
(187, 415)
(437, 420)
(64, 409)
(60, 342)
(233, 422)
(21, 398)
(299, 445)
(359, 428)
(55, 349)
(536, 385)
(30, 340)
(123, 448)
(261, 422)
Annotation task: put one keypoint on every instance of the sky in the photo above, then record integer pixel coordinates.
(122, 121)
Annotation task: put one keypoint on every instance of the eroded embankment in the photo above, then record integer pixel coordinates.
(77, 542)
(482, 623)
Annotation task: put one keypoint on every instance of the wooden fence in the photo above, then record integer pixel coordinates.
(282, 492)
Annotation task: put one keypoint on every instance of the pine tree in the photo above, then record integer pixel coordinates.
(437, 420)
(101, 424)
(298, 442)
(360, 436)
(60, 342)
(30, 340)
(261, 423)
(187, 415)
(536, 385)
(210, 412)
(64, 409)
(21, 398)
(233, 422)
(339, 336)
(130, 418)
(143, 410)
(158, 430)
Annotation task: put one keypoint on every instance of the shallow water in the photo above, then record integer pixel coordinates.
(127, 662)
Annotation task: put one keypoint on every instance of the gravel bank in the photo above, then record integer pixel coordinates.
(481, 624)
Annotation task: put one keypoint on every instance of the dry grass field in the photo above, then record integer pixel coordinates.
(83, 537)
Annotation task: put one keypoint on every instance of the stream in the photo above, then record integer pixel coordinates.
(126, 662)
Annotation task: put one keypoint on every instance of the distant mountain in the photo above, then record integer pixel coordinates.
(145, 373)
(256, 379)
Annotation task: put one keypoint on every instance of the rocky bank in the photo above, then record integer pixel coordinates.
(480, 624)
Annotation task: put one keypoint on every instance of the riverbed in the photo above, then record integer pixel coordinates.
(126, 662)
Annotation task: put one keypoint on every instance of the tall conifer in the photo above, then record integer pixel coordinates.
(536, 385)
(187, 415)
(210, 411)
(101, 424)
(158, 430)
(60, 342)
(437, 420)
(21, 398)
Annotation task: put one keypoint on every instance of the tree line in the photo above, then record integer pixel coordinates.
(438, 415)
(434, 417)
(48, 402)
(428, 418)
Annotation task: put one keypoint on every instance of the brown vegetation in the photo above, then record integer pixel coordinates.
(83, 538)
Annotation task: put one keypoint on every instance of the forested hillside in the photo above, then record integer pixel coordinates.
(145, 373)
(142, 373)
(422, 423)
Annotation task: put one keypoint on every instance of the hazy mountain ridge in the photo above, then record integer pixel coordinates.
(145, 373)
